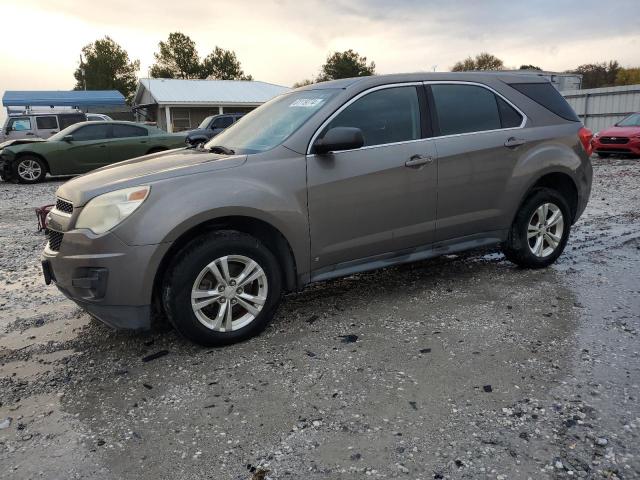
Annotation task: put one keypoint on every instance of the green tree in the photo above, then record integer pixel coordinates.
(595, 75)
(223, 64)
(177, 58)
(303, 83)
(628, 76)
(106, 66)
(482, 61)
(530, 67)
(344, 65)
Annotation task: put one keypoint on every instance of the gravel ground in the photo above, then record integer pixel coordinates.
(459, 367)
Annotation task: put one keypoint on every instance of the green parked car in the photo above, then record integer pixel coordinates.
(80, 148)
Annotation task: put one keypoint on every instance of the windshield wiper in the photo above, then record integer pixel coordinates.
(221, 149)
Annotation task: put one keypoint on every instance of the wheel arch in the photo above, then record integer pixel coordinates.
(260, 229)
(28, 153)
(559, 181)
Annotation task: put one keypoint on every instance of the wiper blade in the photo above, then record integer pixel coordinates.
(221, 149)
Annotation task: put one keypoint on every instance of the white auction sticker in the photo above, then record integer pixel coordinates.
(307, 102)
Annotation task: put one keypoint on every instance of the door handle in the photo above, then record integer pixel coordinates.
(30, 134)
(102, 146)
(513, 142)
(417, 161)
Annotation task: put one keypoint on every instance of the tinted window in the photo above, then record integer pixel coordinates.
(465, 108)
(46, 123)
(546, 95)
(222, 122)
(68, 120)
(91, 132)
(630, 121)
(20, 124)
(509, 117)
(384, 116)
(122, 131)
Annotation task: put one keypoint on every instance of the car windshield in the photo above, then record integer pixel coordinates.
(272, 123)
(630, 121)
(205, 122)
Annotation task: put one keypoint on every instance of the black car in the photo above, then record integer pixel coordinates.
(210, 127)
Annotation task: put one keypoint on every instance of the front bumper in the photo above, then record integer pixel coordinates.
(109, 279)
(632, 147)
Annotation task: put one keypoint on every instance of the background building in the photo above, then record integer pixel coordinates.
(176, 105)
(562, 81)
(600, 108)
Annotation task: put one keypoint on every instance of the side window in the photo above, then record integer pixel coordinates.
(20, 124)
(384, 116)
(222, 122)
(123, 131)
(68, 120)
(465, 108)
(46, 123)
(509, 117)
(91, 132)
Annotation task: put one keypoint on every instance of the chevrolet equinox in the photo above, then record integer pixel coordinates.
(321, 182)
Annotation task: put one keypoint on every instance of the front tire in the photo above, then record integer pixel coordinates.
(540, 230)
(29, 169)
(603, 155)
(222, 288)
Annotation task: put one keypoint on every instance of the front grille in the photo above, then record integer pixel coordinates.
(64, 206)
(55, 239)
(614, 140)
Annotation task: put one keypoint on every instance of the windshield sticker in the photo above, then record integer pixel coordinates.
(307, 102)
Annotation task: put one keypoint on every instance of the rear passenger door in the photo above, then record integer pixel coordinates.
(128, 141)
(46, 125)
(478, 139)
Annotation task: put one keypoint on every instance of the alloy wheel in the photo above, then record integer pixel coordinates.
(29, 170)
(229, 293)
(545, 229)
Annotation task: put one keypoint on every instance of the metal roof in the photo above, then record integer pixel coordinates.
(57, 98)
(208, 92)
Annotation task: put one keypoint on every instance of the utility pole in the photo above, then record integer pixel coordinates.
(82, 70)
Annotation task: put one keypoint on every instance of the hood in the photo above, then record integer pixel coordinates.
(144, 171)
(20, 141)
(620, 132)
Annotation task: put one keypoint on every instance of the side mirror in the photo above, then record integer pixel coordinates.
(339, 138)
(7, 130)
(68, 138)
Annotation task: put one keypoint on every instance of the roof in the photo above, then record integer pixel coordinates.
(59, 98)
(208, 92)
(375, 80)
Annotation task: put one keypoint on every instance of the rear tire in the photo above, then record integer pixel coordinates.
(540, 230)
(222, 288)
(603, 155)
(29, 169)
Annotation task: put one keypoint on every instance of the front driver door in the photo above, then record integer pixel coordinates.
(380, 198)
(85, 152)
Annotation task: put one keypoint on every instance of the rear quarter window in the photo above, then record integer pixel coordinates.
(546, 95)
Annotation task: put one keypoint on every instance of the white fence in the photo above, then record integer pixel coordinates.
(600, 108)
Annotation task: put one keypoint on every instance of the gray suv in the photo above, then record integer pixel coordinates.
(321, 182)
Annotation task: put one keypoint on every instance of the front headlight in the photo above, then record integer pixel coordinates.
(105, 211)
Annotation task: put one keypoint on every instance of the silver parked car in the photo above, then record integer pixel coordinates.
(322, 182)
(32, 125)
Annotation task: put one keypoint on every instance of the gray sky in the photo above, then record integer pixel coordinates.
(282, 41)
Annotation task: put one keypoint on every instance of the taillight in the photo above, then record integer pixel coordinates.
(585, 135)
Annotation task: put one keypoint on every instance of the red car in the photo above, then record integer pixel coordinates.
(621, 139)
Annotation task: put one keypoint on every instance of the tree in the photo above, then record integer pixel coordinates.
(482, 61)
(178, 58)
(303, 83)
(595, 75)
(530, 67)
(223, 65)
(106, 66)
(628, 76)
(344, 65)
